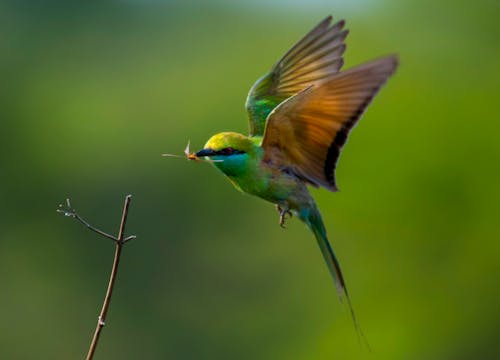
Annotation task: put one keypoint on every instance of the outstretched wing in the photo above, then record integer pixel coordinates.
(306, 132)
(315, 57)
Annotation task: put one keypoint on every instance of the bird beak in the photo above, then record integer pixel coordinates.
(205, 152)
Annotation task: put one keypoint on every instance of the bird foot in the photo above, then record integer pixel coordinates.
(283, 215)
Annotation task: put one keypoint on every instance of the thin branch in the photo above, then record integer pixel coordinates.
(119, 241)
(71, 212)
(128, 238)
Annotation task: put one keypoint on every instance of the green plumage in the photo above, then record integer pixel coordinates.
(260, 103)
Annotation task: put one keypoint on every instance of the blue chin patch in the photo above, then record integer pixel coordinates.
(232, 165)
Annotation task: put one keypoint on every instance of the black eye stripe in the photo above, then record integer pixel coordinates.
(229, 151)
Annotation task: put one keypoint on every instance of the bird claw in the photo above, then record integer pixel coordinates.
(283, 215)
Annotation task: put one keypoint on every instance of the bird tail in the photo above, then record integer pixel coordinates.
(315, 223)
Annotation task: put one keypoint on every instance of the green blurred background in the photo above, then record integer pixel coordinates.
(93, 92)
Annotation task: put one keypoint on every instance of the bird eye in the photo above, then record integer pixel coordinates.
(229, 151)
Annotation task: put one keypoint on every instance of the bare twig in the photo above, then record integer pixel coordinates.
(70, 212)
(119, 241)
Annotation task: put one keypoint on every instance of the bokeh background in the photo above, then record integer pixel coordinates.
(91, 94)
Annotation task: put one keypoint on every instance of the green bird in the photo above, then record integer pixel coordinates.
(300, 113)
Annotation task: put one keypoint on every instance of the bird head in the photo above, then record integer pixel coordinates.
(230, 152)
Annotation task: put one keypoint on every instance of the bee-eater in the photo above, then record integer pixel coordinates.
(300, 113)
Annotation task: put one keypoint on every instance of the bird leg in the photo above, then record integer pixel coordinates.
(283, 213)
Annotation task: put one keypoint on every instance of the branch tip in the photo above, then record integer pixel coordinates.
(66, 210)
(128, 238)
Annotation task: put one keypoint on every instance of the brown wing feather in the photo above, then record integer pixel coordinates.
(314, 58)
(307, 131)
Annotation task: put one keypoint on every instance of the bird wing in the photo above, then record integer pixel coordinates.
(306, 132)
(315, 57)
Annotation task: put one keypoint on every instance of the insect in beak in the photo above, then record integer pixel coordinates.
(189, 155)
